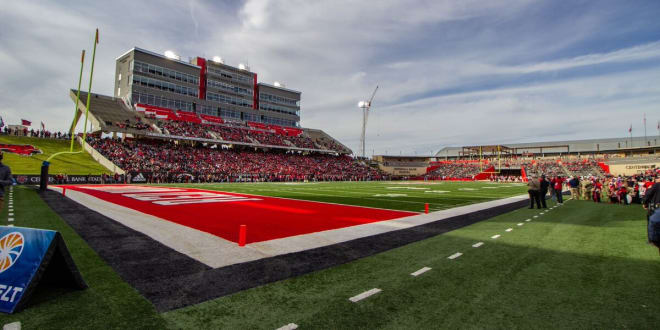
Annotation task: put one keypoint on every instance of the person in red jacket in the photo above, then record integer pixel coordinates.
(598, 187)
(557, 184)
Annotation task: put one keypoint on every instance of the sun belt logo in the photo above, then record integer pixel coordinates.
(11, 247)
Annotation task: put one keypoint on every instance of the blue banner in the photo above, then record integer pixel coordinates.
(22, 251)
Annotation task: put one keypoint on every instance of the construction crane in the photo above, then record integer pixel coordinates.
(365, 106)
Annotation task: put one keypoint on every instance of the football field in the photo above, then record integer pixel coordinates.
(393, 195)
(580, 265)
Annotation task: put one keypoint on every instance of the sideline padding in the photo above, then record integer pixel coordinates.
(30, 257)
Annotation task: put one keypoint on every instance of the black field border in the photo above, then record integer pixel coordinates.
(172, 280)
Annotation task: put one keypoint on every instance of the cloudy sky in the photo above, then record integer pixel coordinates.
(450, 73)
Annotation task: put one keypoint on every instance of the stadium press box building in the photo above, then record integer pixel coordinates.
(203, 86)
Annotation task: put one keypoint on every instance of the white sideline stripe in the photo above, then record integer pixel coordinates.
(508, 230)
(10, 214)
(528, 220)
(217, 252)
(495, 237)
(10, 219)
(536, 216)
(421, 271)
(520, 224)
(364, 295)
(289, 326)
(478, 244)
(455, 255)
(10, 225)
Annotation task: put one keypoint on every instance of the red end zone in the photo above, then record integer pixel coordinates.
(221, 213)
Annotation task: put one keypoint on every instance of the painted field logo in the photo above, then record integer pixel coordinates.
(11, 246)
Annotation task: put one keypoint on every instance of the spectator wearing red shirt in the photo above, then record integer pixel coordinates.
(557, 185)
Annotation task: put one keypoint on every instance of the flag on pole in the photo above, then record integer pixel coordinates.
(25, 122)
(2, 122)
(630, 129)
(43, 127)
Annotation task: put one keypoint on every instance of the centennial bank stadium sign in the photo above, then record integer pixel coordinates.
(36, 179)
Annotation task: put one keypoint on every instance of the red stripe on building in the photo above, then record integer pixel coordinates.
(255, 97)
(202, 78)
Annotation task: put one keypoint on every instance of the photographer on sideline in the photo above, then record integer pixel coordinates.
(651, 203)
(5, 180)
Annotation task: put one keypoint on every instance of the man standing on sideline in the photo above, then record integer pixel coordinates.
(651, 203)
(574, 183)
(544, 184)
(5, 179)
(533, 187)
(558, 186)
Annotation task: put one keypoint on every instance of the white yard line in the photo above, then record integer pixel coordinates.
(421, 271)
(477, 245)
(520, 224)
(508, 230)
(290, 326)
(455, 255)
(495, 236)
(364, 295)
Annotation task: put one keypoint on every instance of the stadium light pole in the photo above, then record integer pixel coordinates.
(365, 106)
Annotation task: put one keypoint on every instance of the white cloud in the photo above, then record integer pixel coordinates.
(450, 72)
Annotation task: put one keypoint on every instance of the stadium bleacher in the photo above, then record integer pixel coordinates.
(169, 162)
(115, 116)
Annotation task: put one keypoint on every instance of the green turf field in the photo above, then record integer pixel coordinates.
(396, 195)
(79, 164)
(580, 265)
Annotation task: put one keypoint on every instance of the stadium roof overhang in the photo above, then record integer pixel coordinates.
(486, 150)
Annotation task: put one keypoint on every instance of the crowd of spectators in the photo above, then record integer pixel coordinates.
(239, 133)
(550, 168)
(455, 170)
(180, 128)
(615, 190)
(587, 167)
(506, 178)
(163, 161)
(44, 134)
(138, 124)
